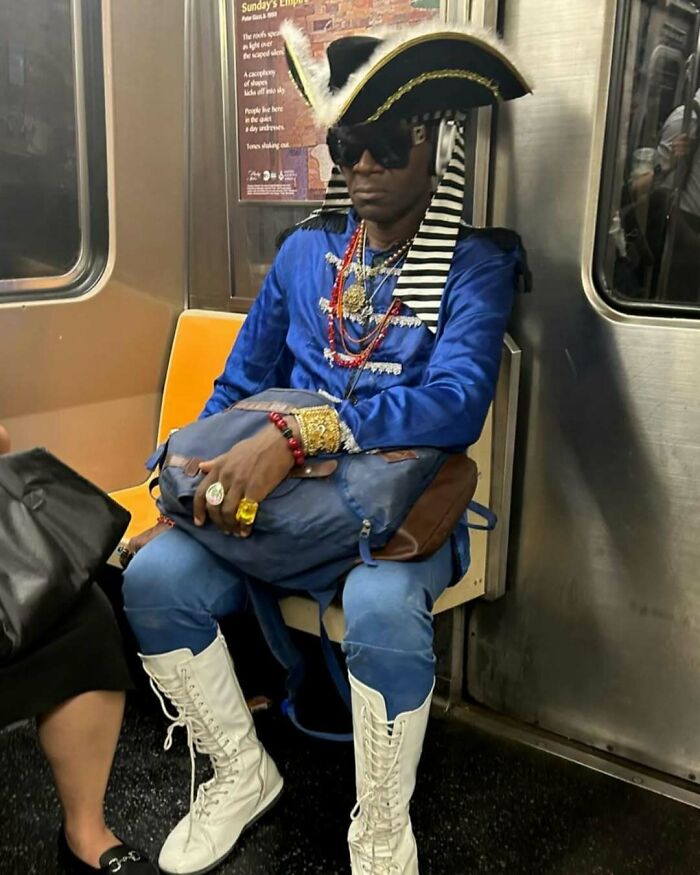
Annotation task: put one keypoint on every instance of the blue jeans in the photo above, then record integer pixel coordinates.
(175, 591)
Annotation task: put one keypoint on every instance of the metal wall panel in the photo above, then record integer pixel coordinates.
(209, 256)
(598, 637)
(84, 377)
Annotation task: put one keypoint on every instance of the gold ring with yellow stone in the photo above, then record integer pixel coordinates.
(246, 511)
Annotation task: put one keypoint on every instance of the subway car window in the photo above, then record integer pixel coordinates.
(53, 206)
(649, 233)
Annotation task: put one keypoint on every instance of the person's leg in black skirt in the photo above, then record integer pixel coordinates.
(73, 683)
(79, 738)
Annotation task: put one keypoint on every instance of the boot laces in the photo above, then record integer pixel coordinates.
(378, 807)
(203, 735)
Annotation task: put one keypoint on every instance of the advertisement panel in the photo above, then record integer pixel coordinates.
(281, 152)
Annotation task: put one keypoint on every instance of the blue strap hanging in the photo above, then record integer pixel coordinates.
(265, 603)
(486, 514)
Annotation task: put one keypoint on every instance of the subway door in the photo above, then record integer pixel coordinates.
(92, 218)
(598, 636)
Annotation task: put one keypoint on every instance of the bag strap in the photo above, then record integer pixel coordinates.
(337, 674)
(267, 609)
(486, 514)
(155, 460)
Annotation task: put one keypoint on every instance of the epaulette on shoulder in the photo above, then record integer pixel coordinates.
(508, 241)
(335, 222)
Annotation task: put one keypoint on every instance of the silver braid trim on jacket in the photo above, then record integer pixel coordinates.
(347, 439)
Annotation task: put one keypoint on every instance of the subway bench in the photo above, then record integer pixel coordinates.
(201, 343)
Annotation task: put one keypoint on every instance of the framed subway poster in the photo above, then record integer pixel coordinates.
(282, 156)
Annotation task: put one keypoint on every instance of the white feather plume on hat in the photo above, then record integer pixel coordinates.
(314, 73)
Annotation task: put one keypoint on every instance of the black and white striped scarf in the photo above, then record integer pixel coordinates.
(424, 272)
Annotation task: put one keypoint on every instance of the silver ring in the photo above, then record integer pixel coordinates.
(215, 494)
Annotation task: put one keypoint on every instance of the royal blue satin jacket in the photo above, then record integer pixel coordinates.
(420, 388)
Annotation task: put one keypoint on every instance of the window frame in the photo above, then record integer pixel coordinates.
(91, 166)
(609, 172)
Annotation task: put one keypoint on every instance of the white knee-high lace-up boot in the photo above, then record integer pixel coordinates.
(210, 705)
(387, 752)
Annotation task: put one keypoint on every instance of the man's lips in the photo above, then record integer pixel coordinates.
(367, 192)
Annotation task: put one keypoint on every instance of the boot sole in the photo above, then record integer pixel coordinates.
(268, 806)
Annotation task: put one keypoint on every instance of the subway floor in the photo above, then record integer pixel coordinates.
(482, 805)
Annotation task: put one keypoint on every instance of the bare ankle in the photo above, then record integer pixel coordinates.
(89, 841)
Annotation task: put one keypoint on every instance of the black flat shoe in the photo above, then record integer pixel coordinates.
(121, 858)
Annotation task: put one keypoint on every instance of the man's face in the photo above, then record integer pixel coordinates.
(385, 194)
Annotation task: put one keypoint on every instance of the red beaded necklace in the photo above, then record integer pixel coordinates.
(371, 342)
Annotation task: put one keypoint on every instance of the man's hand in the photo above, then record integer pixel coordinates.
(680, 147)
(252, 469)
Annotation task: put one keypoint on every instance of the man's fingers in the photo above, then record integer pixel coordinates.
(216, 516)
(199, 507)
(681, 145)
(125, 555)
(238, 482)
(229, 507)
(211, 468)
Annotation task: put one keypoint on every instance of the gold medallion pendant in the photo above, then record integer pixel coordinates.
(354, 299)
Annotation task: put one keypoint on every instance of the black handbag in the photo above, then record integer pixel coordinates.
(56, 530)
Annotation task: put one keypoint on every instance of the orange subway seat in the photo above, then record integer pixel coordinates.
(202, 341)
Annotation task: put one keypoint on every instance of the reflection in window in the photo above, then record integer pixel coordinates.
(651, 242)
(40, 227)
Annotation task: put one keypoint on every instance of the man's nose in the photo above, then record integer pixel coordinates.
(367, 164)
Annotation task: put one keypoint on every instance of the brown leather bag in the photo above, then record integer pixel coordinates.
(435, 515)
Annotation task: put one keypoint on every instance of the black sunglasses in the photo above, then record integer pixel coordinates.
(389, 144)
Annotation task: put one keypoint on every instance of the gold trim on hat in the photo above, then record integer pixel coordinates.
(429, 77)
(305, 91)
(402, 47)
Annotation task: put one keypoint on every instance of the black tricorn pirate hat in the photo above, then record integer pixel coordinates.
(422, 71)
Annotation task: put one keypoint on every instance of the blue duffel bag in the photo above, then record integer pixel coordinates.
(335, 508)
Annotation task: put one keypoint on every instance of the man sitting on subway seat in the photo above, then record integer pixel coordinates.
(392, 309)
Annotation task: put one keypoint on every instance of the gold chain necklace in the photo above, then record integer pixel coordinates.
(356, 302)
